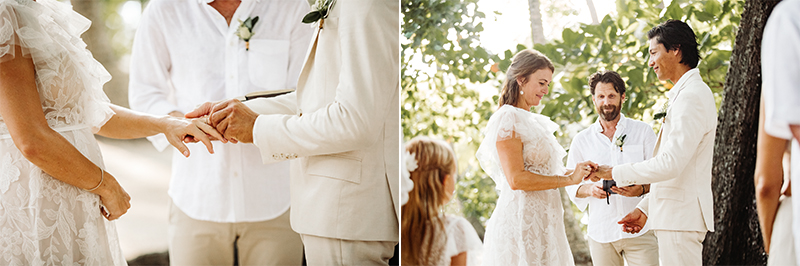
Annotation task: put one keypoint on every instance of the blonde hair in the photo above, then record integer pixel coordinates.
(524, 63)
(421, 222)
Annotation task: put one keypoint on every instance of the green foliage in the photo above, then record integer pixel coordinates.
(450, 89)
(441, 62)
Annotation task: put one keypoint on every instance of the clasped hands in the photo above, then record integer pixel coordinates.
(231, 120)
(226, 121)
(635, 220)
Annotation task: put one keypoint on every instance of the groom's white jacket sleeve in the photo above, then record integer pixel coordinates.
(362, 97)
(689, 126)
(342, 125)
(680, 173)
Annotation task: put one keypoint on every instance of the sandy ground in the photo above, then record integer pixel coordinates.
(144, 173)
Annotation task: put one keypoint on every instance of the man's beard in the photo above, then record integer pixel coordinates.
(607, 114)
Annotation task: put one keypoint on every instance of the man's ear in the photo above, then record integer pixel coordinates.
(677, 52)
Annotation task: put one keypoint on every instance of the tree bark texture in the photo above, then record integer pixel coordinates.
(537, 30)
(98, 42)
(577, 243)
(737, 239)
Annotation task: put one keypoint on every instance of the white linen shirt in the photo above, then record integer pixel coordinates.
(185, 54)
(780, 53)
(591, 145)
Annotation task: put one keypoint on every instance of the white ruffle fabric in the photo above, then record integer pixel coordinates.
(526, 227)
(69, 79)
(44, 221)
(461, 237)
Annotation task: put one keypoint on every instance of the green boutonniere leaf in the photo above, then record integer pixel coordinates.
(312, 16)
(659, 115)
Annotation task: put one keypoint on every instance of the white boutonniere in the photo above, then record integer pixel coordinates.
(245, 30)
(320, 12)
(620, 141)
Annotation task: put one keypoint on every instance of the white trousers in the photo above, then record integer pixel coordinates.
(196, 242)
(680, 247)
(640, 250)
(333, 251)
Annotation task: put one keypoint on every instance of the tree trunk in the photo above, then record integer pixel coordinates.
(99, 43)
(537, 30)
(578, 245)
(737, 239)
(593, 12)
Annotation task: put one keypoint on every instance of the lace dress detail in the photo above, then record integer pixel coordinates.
(44, 221)
(526, 227)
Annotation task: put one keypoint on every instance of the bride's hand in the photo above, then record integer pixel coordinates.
(582, 170)
(179, 130)
(116, 201)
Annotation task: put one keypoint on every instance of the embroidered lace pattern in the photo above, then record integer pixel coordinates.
(44, 221)
(526, 227)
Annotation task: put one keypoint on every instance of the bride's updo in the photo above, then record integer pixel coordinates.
(524, 63)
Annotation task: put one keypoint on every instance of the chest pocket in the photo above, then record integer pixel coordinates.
(633, 153)
(268, 63)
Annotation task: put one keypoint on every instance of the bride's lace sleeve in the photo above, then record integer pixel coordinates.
(8, 37)
(461, 237)
(501, 126)
(69, 79)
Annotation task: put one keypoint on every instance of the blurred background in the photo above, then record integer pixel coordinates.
(454, 54)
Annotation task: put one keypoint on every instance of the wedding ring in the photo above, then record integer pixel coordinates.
(587, 168)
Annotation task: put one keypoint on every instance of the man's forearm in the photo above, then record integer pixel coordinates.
(584, 191)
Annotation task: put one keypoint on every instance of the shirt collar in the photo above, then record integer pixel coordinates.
(623, 121)
(681, 84)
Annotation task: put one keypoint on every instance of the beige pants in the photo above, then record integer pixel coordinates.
(332, 251)
(781, 248)
(641, 250)
(195, 242)
(680, 247)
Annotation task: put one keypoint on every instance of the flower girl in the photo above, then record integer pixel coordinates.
(428, 236)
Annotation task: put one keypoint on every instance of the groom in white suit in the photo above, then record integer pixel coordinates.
(342, 125)
(680, 209)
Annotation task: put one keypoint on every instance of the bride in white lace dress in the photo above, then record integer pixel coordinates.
(56, 201)
(521, 154)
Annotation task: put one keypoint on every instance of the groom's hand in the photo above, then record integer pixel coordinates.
(201, 110)
(602, 172)
(234, 120)
(634, 221)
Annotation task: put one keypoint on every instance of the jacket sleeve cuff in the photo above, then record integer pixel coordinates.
(621, 176)
(644, 206)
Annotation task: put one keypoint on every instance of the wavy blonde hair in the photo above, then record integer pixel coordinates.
(421, 222)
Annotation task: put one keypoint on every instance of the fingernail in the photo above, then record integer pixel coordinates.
(186, 153)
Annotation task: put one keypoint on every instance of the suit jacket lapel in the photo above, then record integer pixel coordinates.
(309, 62)
(660, 131)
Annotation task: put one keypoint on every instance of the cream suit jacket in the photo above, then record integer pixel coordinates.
(342, 125)
(680, 171)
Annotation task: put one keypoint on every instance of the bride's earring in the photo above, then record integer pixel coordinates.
(521, 92)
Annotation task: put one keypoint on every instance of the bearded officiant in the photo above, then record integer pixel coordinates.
(191, 51)
(614, 139)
